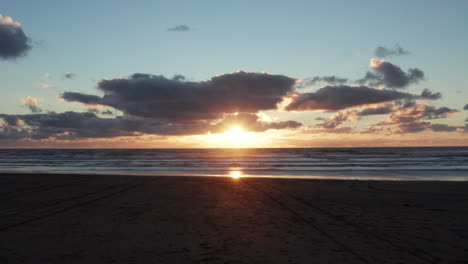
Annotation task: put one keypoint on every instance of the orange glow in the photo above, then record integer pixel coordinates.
(235, 137)
(236, 133)
(235, 174)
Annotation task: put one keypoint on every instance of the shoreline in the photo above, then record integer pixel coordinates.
(57, 218)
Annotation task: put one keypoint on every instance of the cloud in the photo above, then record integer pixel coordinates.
(13, 41)
(82, 98)
(372, 130)
(409, 120)
(405, 103)
(390, 75)
(384, 52)
(12, 133)
(341, 97)
(417, 112)
(155, 96)
(45, 85)
(331, 80)
(443, 128)
(69, 75)
(335, 130)
(47, 75)
(9, 120)
(180, 28)
(465, 107)
(380, 110)
(337, 119)
(73, 125)
(31, 103)
(427, 94)
(412, 127)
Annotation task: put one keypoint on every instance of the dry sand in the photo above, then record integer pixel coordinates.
(121, 219)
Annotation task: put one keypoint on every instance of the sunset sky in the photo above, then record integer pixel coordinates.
(171, 74)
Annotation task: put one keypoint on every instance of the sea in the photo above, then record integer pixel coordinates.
(401, 163)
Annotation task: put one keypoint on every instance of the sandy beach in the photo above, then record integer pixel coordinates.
(129, 219)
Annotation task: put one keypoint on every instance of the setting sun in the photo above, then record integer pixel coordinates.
(235, 174)
(235, 137)
(236, 133)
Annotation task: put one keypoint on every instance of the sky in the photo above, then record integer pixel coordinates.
(171, 74)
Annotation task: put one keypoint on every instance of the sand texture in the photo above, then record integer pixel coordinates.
(129, 219)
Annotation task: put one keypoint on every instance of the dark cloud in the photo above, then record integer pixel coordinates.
(13, 41)
(146, 95)
(73, 125)
(180, 28)
(12, 133)
(431, 112)
(341, 97)
(331, 80)
(384, 52)
(427, 94)
(69, 75)
(390, 75)
(9, 120)
(82, 98)
(405, 103)
(465, 107)
(443, 128)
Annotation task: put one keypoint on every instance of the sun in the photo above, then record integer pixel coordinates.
(235, 136)
(235, 174)
(236, 133)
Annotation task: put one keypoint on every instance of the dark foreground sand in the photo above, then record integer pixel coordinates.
(120, 219)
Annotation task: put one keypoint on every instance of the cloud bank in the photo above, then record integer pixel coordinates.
(146, 104)
(156, 96)
(73, 125)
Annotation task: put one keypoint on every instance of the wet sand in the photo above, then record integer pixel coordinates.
(129, 219)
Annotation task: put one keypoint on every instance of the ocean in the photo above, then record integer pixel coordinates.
(419, 163)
